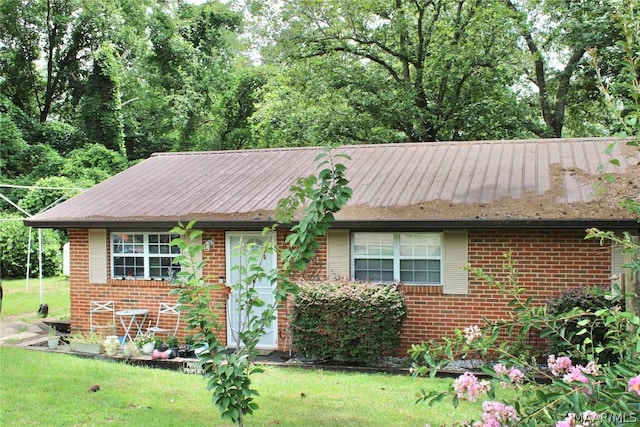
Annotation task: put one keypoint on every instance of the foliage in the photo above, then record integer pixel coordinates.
(346, 321)
(562, 80)
(188, 73)
(312, 101)
(227, 375)
(238, 105)
(61, 136)
(93, 163)
(14, 247)
(622, 91)
(47, 192)
(144, 338)
(588, 300)
(39, 161)
(47, 44)
(100, 116)
(545, 395)
(321, 196)
(12, 145)
(143, 75)
(418, 69)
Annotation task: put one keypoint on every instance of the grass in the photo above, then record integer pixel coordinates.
(18, 300)
(45, 388)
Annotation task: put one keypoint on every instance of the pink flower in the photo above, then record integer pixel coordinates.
(499, 368)
(496, 414)
(570, 421)
(591, 368)
(560, 365)
(634, 385)
(498, 411)
(471, 333)
(577, 374)
(468, 383)
(515, 375)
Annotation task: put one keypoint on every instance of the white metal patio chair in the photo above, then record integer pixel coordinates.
(99, 311)
(167, 314)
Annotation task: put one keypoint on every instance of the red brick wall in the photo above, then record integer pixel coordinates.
(129, 294)
(547, 260)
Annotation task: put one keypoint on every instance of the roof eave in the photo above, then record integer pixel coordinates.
(371, 225)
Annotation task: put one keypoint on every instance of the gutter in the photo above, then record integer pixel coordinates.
(369, 225)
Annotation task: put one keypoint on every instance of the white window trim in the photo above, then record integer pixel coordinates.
(397, 257)
(146, 255)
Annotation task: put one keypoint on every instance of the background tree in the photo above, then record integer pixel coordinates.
(62, 35)
(192, 51)
(426, 70)
(556, 36)
(100, 117)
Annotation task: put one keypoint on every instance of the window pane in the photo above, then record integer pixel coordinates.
(420, 244)
(373, 270)
(142, 255)
(373, 244)
(420, 271)
(413, 244)
(162, 267)
(124, 243)
(131, 266)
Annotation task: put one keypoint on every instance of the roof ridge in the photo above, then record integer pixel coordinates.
(395, 144)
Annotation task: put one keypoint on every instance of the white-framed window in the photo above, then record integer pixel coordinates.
(143, 255)
(410, 258)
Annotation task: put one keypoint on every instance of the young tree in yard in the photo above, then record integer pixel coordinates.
(228, 375)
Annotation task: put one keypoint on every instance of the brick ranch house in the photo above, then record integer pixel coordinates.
(419, 212)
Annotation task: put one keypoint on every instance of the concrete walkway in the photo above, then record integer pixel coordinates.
(17, 332)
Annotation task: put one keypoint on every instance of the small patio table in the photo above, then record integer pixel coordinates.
(132, 318)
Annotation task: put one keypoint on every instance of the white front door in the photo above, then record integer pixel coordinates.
(264, 288)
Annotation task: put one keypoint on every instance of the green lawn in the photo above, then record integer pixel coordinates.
(46, 388)
(18, 300)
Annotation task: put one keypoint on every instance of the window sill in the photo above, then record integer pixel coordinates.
(138, 282)
(421, 289)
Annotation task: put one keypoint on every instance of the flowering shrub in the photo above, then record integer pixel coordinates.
(589, 299)
(565, 391)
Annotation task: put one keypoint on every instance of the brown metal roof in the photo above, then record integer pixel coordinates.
(523, 180)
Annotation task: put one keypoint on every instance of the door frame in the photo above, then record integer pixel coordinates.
(273, 345)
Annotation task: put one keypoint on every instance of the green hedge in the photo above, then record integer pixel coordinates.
(14, 238)
(346, 321)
